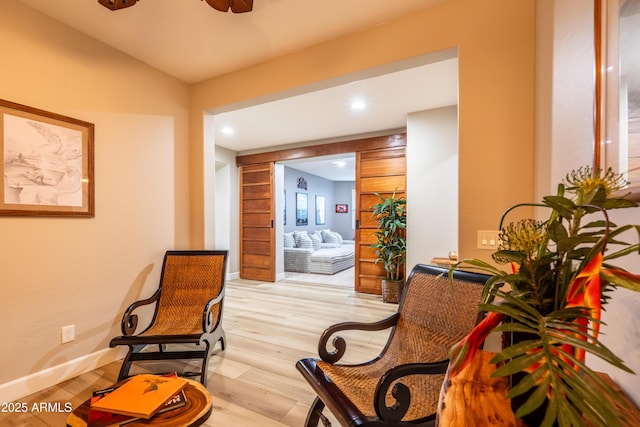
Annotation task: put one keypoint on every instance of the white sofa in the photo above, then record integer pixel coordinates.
(323, 252)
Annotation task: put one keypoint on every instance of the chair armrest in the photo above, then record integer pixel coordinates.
(401, 392)
(208, 322)
(340, 345)
(129, 320)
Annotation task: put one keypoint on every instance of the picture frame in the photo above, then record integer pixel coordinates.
(320, 203)
(48, 164)
(617, 106)
(342, 208)
(302, 212)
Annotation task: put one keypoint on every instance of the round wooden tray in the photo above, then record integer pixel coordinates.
(195, 413)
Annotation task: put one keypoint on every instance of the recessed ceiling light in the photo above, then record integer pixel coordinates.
(340, 163)
(227, 130)
(358, 105)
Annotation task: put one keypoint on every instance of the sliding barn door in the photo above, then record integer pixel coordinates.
(257, 214)
(380, 171)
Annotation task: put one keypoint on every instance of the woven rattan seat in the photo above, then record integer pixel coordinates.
(188, 312)
(432, 315)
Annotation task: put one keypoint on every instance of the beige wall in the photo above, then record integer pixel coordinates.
(496, 104)
(61, 271)
(84, 271)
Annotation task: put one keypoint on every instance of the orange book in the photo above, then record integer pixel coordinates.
(141, 396)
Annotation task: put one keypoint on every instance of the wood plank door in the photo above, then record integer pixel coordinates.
(380, 171)
(257, 215)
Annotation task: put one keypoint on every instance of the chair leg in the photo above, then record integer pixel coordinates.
(223, 341)
(315, 415)
(126, 363)
(205, 364)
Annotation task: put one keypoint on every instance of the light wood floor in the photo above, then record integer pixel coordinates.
(254, 382)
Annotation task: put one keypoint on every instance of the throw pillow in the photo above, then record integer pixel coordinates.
(303, 240)
(289, 240)
(338, 237)
(329, 237)
(316, 238)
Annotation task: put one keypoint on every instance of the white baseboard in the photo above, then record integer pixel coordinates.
(46, 378)
(231, 276)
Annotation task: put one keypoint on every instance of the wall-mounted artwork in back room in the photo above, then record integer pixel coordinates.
(302, 211)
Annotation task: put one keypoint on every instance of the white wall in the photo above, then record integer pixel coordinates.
(223, 206)
(432, 184)
(565, 102)
(343, 223)
(279, 205)
(227, 208)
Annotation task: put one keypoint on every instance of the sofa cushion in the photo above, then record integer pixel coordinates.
(303, 240)
(289, 240)
(316, 238)
(324, 260)
(338, 237)
(332, 254)
(329, 236)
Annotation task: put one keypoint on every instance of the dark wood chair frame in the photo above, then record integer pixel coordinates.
(329, 395)
(211, 332)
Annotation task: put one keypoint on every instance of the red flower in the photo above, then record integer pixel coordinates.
(462, 352)
(584, 291)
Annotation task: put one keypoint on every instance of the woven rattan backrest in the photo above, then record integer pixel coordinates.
(189, 280)
(435, 314)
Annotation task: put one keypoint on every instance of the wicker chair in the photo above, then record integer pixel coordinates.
(401, 386)
(188, 312)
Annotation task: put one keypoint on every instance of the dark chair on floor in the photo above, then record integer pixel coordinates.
(188, 312)
(401, 386)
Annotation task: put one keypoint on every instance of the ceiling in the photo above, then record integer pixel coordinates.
(338, 167)
(193, 42)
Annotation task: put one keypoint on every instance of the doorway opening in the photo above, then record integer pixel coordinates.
(317, 200)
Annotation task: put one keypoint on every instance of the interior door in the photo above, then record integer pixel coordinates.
(380, 171)
(257, 214)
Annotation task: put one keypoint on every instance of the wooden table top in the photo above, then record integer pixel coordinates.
(195, 413)
(474, 399)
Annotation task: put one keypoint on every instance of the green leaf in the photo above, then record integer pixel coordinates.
(563, 206)
(518, 364)
(618, 204)
(535, 400)
(516, 350)
(617, 278)
(527, 382)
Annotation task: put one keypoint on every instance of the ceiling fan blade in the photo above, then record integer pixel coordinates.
(117, 4)
(221, 5)
(241, 6)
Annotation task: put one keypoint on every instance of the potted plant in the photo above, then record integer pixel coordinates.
(391, 248)
(559, 274)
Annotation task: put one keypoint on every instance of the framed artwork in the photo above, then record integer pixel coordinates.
(302, 212)
(319, 210)
(302, 183)
(47, 164)
(342, 208)
(617, 112)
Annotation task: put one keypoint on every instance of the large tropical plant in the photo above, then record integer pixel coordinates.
(391, 246)
(559, 274)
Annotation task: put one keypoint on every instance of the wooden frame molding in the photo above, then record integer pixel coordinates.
(379, 142)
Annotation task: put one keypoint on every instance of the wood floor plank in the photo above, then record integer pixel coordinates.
(254, 382)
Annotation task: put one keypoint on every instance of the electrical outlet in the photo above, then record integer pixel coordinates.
(68, 333)
(488, 239)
